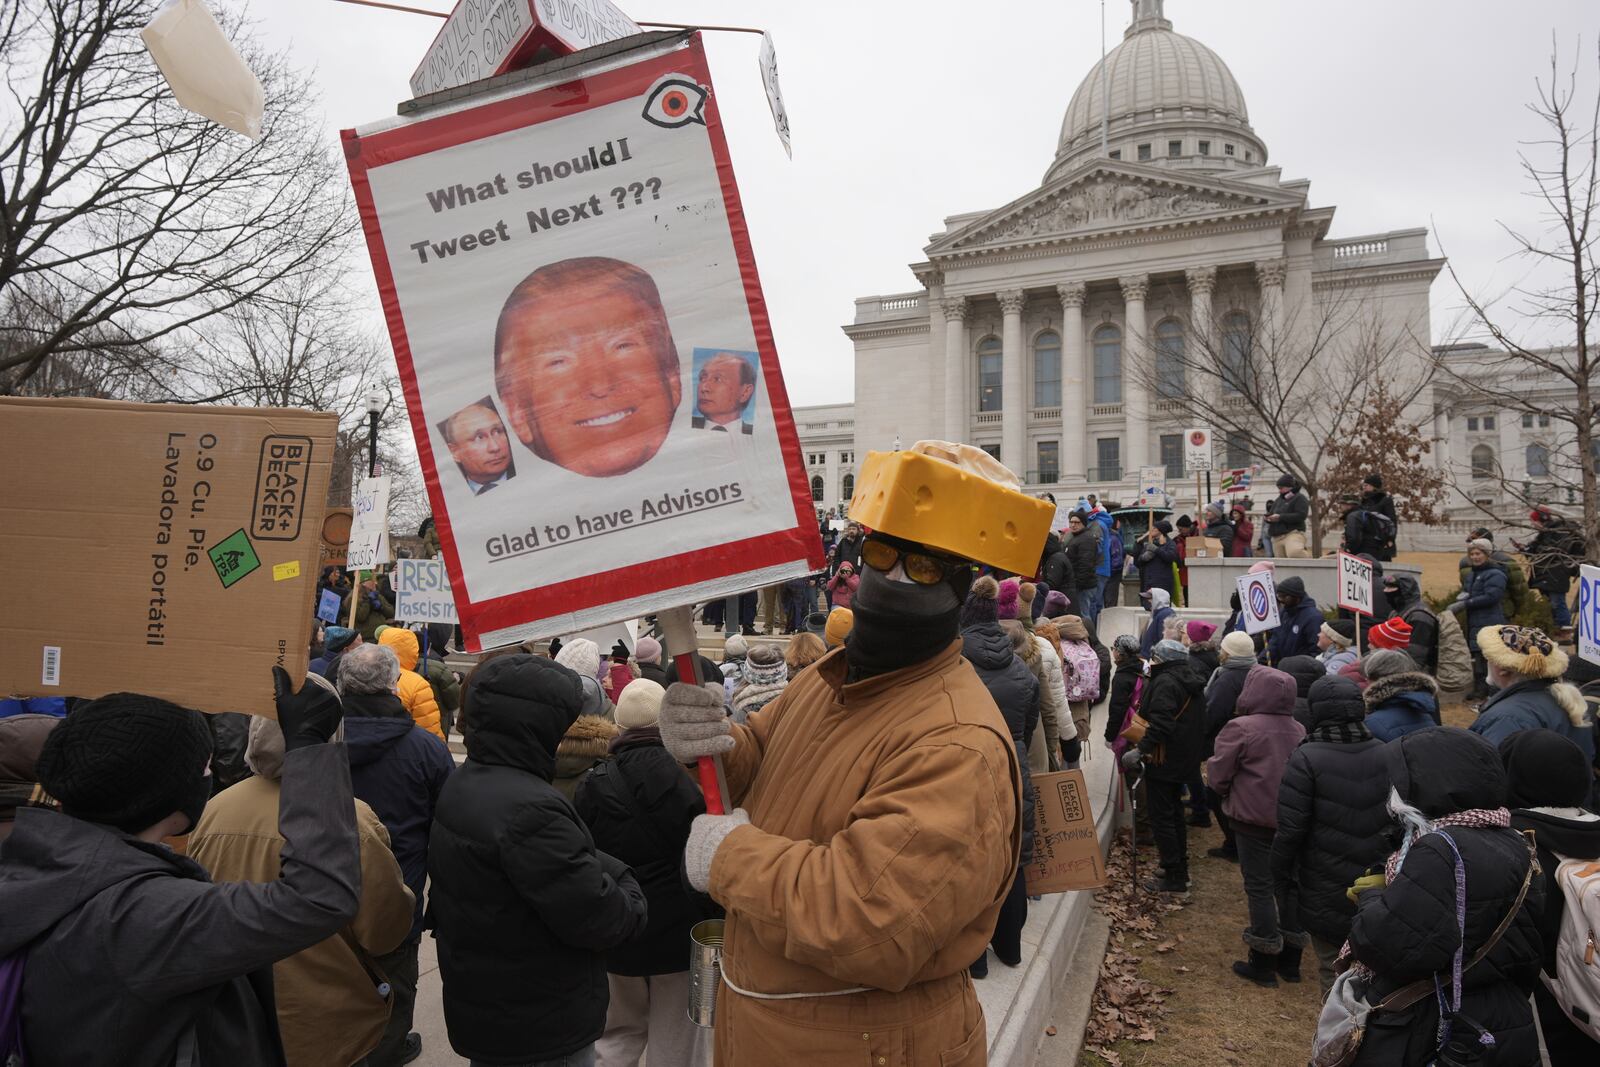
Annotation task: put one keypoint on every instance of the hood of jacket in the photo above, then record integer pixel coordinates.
(404, 643)
(1446, 770)
(1406, 592)
(368, 738)
(517, 709)
(586, 740)
(55, 863)
(1305, 670)
(986, 646)
(1159, 598)
(1266, 691)
(1386, 690)
(1574, 838)
(1335, 699)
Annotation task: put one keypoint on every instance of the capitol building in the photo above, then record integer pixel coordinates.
(1054, 331)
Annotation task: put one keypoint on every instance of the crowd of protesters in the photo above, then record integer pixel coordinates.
(562, 863)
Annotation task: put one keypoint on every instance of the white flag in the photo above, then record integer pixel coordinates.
(206, 73)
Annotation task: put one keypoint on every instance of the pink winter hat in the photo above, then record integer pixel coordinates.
(1198, 631)
(1006, 600)
(1265, 565)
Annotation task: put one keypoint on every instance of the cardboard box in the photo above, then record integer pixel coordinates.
(1066, 847)
(159, 549)
(1205, 548)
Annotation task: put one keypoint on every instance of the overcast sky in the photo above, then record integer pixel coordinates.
(1401, 113)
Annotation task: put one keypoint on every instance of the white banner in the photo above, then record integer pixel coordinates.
(1258, 601)
(1196, 449)
(422, 592)
(769, 78)
(1589, 612)
(1355, 584)
(369, 525)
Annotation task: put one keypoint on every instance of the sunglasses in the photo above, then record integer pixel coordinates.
(920, 566)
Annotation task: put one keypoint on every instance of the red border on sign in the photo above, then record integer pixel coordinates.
(1338, 577)
(800, 542)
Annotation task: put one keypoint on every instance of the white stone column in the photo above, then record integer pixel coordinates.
(1206, 386)
(1075, 376)
(1135, 366)
(955, 368)
(1013, 406)
(1441, 443)
(1269, 276)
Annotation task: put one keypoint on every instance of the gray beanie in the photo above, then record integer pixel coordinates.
(1169, 652)
(1382, 662)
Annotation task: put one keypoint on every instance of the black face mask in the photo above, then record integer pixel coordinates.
(195, 806)
(898, 624)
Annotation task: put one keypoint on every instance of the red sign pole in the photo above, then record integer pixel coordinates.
(678, 624)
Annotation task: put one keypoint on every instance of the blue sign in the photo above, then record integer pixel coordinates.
(328, 608)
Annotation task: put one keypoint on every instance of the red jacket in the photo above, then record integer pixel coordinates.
(1244, 534)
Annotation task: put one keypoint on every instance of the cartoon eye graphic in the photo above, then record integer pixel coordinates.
(675, 101)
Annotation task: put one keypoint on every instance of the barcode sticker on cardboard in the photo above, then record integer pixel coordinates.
(52, 665)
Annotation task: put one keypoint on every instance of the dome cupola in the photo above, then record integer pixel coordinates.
(1167, 99)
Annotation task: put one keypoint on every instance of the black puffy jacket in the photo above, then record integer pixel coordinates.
(1408, 930)
(1082, 553)
(1123, 683)
(638, 804)
(1016, 691)
(524, 907)
(1173, 703)
(1332, 823)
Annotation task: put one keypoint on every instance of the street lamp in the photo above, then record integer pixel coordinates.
(375, 398)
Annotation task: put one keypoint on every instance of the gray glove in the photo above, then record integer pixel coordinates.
(706, 835)
(1132, 760)
(693, 723)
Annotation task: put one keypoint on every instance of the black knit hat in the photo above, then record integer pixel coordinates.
(1374, 480)
(125, 760)
(982, 602)
(1544, 770)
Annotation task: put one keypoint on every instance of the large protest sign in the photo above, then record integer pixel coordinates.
(1066, 851)
(1589, 613)
(422, 592)
(1258, 602)
(587, 362)
(160, 548)
(1355, 584)
(369, 526)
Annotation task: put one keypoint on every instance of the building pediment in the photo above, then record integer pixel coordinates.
(1111, 199)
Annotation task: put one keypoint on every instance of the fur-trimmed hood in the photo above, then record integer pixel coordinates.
(587, 738)
(1380, 691)
(1571, 701)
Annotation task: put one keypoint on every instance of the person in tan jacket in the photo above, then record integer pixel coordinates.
(330, 1011)
(876, 836)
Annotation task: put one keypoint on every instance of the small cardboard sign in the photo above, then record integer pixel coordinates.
(422, 592)
(1589, 613)
(1066, 846)
(1196, 449)
(328, 608)
(1355, 584)
(1258, 602)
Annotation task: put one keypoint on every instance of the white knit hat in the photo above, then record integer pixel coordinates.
(1238, 643)
(639, 704)
(581, 655)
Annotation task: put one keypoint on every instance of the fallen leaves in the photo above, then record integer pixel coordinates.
(1127, 1007)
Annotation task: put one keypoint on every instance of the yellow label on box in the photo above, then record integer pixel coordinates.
(282, 572)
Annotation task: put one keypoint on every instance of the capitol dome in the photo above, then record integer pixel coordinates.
(1173, 102)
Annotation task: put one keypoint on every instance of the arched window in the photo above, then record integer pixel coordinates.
(1235, 353)
(1482, 462)
(1169, 360)
(989, 374)
(1047, 370)
(1537, 457)
(1108, 365)
(847, 487)
(818, 487)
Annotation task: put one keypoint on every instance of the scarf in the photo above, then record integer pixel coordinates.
(898, 624)
(1417, 826)
(1340, 732)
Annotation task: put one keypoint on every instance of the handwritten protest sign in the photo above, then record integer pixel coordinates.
(369, 528)
(482, 38)
(590, 374)
(422, 592)
(1355, 584)
(1066, 849)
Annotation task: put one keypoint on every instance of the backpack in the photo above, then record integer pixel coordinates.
(1455, 660)
(1377, 530)
(1576, 985)
(1081, 670)
(11, 1010)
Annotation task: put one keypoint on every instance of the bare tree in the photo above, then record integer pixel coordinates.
(1285, 387)
(125, 220)
(1555, 391)
(1387, 440)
